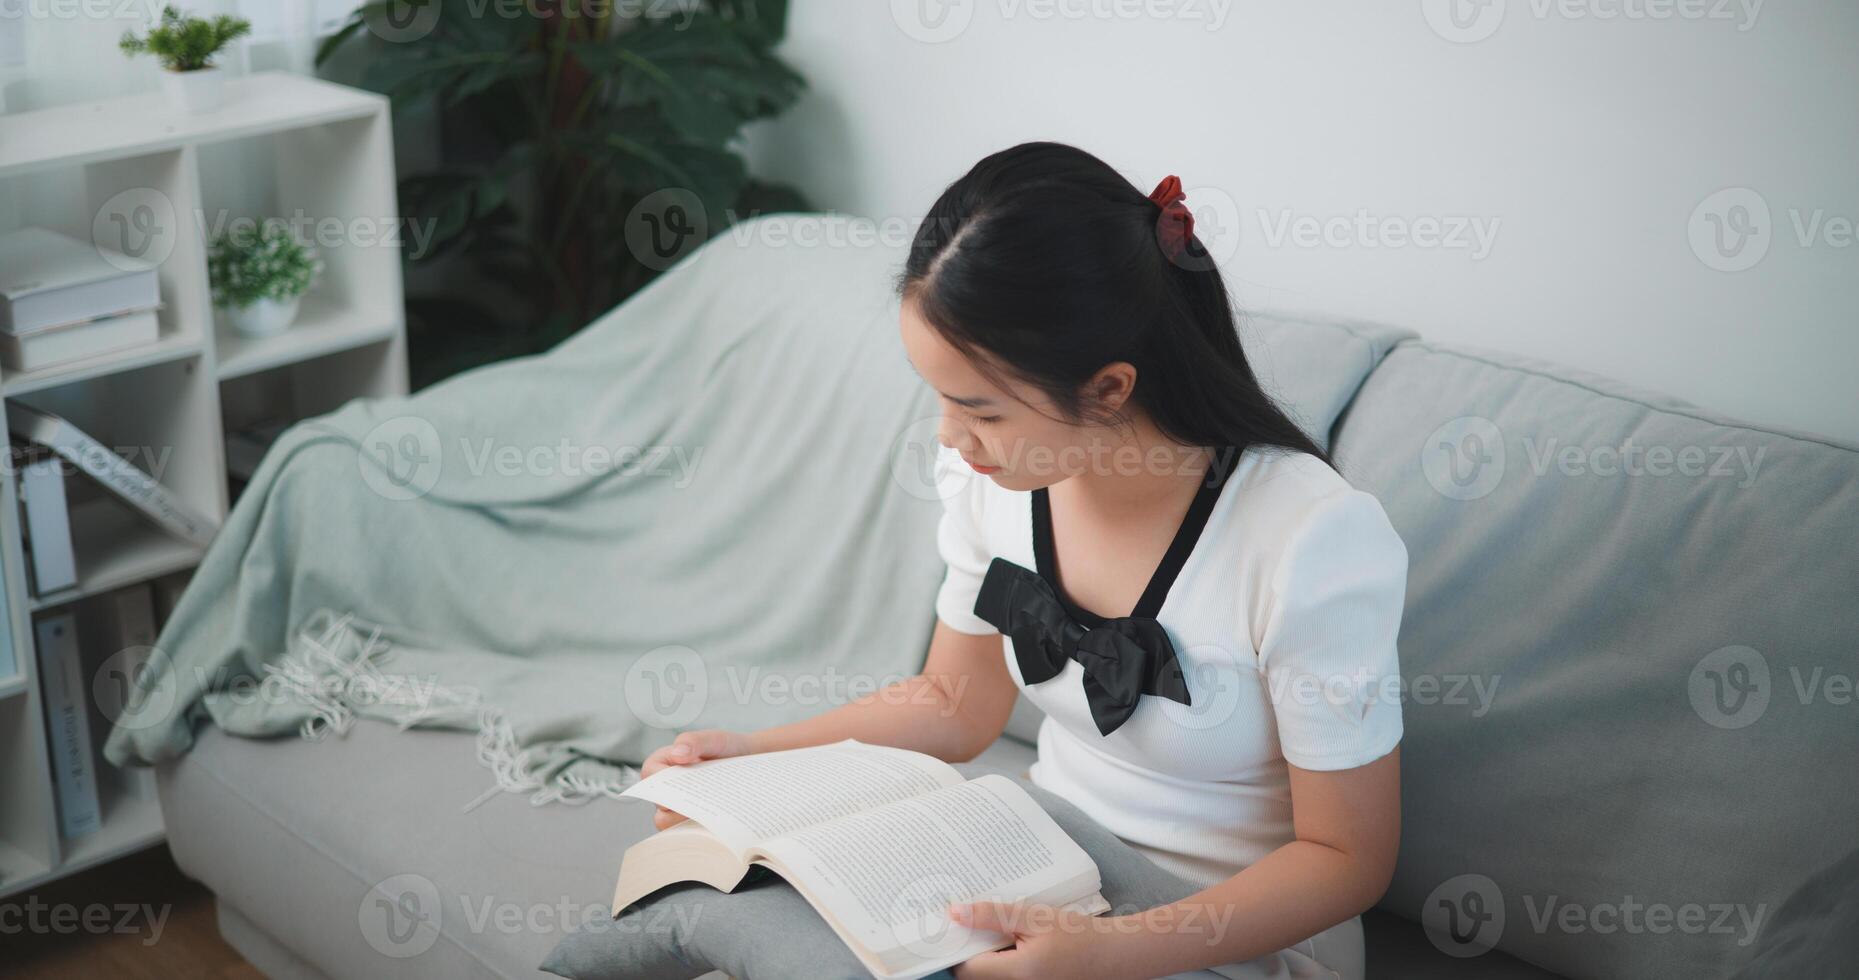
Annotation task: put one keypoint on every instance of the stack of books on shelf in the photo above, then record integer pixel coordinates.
(62, 299)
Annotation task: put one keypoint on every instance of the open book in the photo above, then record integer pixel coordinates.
(879, 840)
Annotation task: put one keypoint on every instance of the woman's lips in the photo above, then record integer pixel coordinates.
(978, 468)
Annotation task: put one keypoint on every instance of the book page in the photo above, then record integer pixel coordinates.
(753, 798)
(888, 875)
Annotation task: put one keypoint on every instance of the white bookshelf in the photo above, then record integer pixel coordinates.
(283, 145)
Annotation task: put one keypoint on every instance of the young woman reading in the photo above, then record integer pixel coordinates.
(1143, 544)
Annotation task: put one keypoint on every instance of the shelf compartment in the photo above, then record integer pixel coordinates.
(169, 347)
(130, 823)
(143, 206)
(19, 870)
(324, 326)
(88, 131)
(117, 547)
(27, 849)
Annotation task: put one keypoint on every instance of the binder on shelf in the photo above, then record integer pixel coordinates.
(115, 473)
(74, 769)
(46, 520)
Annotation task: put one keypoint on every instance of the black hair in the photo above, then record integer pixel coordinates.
(1048, 260)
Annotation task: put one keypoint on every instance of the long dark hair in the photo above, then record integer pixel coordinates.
(1045, 258)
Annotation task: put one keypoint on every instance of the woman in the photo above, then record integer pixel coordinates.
(1204, 609)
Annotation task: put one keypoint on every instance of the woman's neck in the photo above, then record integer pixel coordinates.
(1133, 472)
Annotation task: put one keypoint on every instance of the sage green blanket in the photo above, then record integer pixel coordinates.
(708, 508)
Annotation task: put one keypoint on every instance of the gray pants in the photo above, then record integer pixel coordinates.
(766, 931)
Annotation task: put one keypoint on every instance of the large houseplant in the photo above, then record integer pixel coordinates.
(563, 127)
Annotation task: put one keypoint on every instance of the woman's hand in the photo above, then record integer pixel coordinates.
(709, 743)
(1047, 942)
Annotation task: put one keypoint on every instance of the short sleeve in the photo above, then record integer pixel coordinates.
(959, 539)
(1328, 649)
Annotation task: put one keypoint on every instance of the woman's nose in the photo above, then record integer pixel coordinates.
(954, 435)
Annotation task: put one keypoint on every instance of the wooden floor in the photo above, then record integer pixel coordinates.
(146, 920)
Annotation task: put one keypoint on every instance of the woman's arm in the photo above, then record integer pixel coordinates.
(1348, 827)
(953, 710)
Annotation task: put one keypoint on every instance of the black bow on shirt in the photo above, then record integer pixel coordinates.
(1123, 659)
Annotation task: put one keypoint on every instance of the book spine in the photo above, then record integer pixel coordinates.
(48, 526)
(9, 662)
(68, 731)
(122, 478)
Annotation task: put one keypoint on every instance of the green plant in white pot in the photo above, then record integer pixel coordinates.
(259, 273)
(185, 46)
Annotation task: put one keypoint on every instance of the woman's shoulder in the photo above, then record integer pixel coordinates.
(1291, 502)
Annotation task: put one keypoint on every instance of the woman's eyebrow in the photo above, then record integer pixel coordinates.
(970, 402)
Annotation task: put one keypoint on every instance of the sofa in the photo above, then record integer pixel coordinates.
(1628, 655)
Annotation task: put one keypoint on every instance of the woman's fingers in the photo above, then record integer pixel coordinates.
(710, 743)
(664, 818)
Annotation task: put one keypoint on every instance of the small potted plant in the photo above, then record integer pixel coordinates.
(185, 46)
(259, 273)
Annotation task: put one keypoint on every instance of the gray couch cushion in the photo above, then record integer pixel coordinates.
(1314, 366)
(376, 855)
(1399, 949)
(1630, 684)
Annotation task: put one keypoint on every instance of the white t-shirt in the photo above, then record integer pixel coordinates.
(1283, 618)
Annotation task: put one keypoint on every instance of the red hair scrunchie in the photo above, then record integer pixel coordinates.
(1174, 227)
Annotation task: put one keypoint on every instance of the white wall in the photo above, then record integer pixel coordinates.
(1587, 142)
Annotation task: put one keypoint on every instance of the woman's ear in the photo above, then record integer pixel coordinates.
(1111, 386)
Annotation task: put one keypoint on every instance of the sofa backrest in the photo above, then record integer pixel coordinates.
(1629, 648)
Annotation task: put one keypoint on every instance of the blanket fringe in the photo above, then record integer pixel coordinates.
(335, 666)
